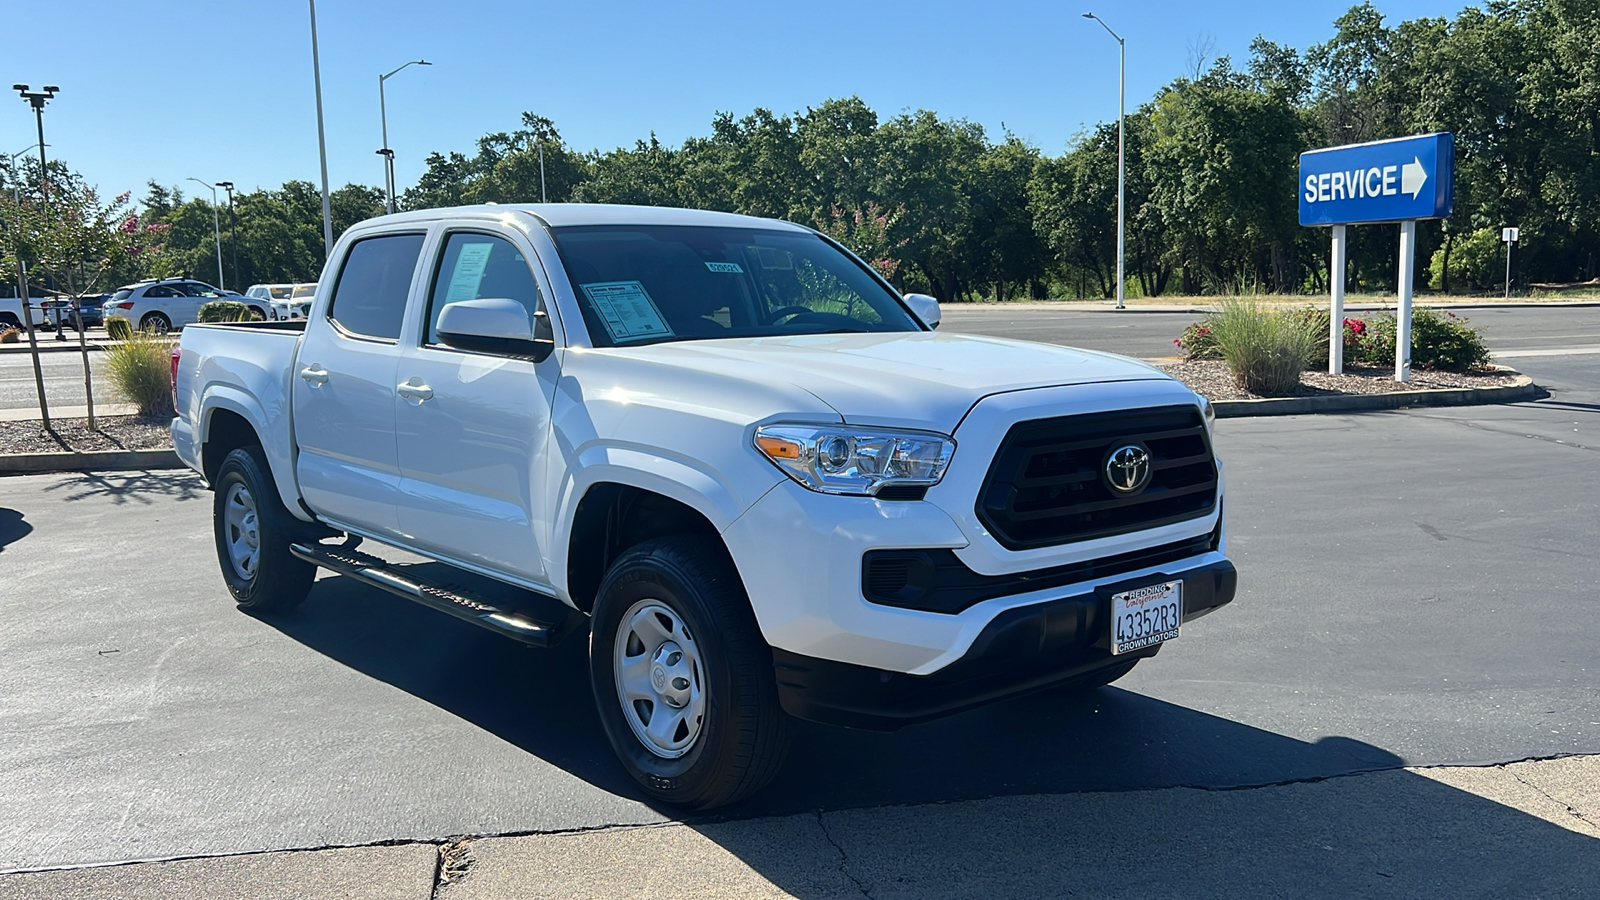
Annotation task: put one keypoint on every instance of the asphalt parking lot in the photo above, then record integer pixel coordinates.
(1418, 588)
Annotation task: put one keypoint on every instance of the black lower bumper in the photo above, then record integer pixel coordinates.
(1023, 649)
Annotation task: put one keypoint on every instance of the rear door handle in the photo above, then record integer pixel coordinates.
(314, 375)
(415, 390)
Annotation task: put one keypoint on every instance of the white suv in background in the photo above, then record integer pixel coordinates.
(265, 298)
(161, 306)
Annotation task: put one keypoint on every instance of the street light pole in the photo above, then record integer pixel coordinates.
(322, 140)
(216, 228)
(1122, 73)
(233, 230)
(386, 153)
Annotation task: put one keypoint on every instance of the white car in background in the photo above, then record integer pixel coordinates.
(299, 303)
(265, 298)
(162, 306)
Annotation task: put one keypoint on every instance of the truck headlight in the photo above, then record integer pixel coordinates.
(844, 460)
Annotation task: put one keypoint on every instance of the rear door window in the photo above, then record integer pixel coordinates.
(369, 297)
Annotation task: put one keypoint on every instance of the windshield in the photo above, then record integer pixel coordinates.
(305, 291)
(643, 284)
(280, 291)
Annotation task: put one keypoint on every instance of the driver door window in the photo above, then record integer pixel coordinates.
(478, 267)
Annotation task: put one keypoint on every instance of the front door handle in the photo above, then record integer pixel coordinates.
(314, 375)
(415, 390)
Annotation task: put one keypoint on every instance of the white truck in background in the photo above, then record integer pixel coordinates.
(721, 450)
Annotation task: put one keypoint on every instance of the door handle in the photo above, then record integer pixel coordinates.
(314, 375)
(415, 390)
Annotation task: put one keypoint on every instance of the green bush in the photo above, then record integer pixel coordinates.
(118, 328)
(10, 335)
(1438, 341)
(1477, 262)
(225, 311)
(1265, 349)
(140, 368)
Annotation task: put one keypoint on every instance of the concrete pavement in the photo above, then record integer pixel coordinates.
(1527, 829)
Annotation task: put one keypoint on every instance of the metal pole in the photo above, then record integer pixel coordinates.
(216, 229)
(322, 140)
(1402, 318)
(233, 229)
(1336, 307)
(44, 170)
(388, 159)
(1121, 175)
(542, 197)
(1508, 269)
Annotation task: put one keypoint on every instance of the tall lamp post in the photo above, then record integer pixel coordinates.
(322, 140)
(1122, 72)
(216, 227)
(386, 153)
(233, 230)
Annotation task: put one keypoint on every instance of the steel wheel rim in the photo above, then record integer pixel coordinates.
(241, 531)
(660, 679)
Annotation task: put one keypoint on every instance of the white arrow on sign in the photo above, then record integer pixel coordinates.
(1412, 178)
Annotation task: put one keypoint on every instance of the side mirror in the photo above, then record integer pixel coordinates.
(926, 308)
(497, 326)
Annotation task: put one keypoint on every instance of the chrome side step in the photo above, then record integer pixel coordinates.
(537, 621)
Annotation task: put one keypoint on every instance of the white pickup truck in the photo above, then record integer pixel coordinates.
(723, 451)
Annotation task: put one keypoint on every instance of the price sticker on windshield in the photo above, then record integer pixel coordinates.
(627, 310)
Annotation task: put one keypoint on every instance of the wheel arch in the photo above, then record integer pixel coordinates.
(227, 423)
(612, 516)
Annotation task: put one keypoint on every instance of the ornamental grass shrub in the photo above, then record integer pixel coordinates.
(1265, 349)
(225, 311)
(118, 328)
(140, 369)
(10, 335)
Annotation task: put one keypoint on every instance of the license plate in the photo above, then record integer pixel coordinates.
(1145, 617)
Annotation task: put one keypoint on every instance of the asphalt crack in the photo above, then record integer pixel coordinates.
(453, 863)
(844, 858)
(1571, 810)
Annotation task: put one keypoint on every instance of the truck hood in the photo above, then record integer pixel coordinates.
(922, 380)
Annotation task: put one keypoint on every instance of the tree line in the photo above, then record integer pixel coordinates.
(939, 205)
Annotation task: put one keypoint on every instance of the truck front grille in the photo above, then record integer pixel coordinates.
(1049, 485)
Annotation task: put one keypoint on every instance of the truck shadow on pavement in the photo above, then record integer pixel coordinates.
(13, 527)
(1050, 742)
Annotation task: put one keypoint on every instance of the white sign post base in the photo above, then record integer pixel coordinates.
(1336, 307)
(1402, 317)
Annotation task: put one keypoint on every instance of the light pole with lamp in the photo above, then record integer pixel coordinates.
(216, 228)
(1122, 72)
(22, 286)
(386, 153)
(233, 230)
(37, 99)
(322, 140)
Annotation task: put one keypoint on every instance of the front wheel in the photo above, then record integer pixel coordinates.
(253, 531)
(682, 677)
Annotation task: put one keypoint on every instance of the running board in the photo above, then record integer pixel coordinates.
(520, 620)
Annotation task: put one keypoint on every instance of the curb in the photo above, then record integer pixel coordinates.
(93, 461)
(1523, 389)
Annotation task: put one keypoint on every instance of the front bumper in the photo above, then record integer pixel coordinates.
(1021, 650)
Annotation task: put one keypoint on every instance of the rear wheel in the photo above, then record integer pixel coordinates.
(682, 677)
(155, 323)
(253, 531)
(257, 314)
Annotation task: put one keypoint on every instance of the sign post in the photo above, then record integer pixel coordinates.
(1510, 236)
(1400, 180)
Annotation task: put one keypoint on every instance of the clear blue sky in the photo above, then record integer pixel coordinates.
(169, 89)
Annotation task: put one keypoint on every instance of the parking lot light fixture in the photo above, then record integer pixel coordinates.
(216, 228)
(233, 230)
(386, 152)
(1122, 72)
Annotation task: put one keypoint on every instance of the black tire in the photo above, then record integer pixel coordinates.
(743, 734)
(277, 580)
(155, 323)
(257, 314)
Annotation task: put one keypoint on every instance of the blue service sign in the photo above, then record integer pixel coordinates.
(1384, 181)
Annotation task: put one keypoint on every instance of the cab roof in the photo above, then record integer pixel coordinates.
(558, 215)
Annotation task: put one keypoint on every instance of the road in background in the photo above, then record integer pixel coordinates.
(1416, 587)
(1132, 333)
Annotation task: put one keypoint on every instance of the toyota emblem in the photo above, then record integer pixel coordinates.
(1128, 468)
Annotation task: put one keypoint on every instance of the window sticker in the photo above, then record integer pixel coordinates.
(468, 274)
(731, 268)
(627, 310)
(773, 258)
